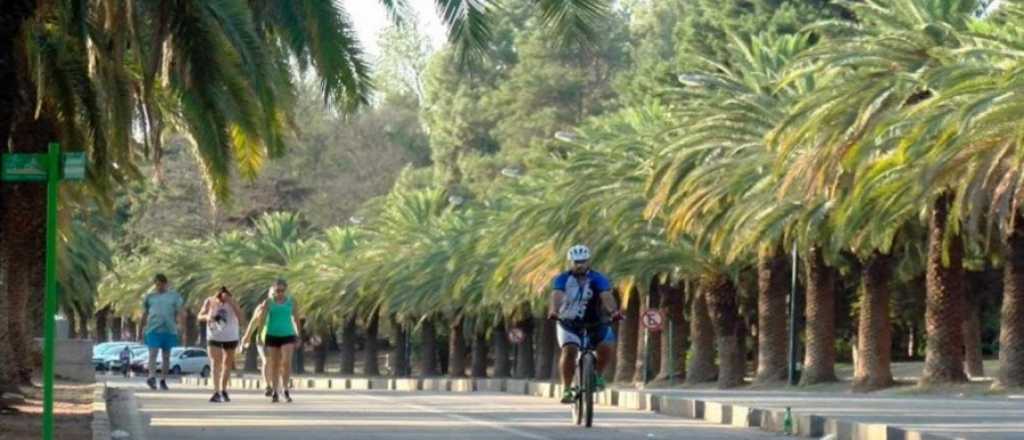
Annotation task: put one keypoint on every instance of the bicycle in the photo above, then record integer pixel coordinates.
(583, 405)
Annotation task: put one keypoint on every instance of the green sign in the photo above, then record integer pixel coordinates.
(23, 167)
(74, 166)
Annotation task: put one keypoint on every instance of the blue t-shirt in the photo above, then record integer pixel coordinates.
(162, 311)
(582, 303)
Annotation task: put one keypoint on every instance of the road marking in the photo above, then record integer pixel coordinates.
(478, 422)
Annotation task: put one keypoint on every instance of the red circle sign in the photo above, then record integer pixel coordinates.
(516, 335)
(652, 320)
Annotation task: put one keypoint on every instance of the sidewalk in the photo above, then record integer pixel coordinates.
(891, 414)
(982, 418)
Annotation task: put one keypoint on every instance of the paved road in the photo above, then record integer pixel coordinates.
(184, 413)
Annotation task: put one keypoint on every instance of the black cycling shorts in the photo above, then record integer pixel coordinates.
(226, 345)
(277, 341)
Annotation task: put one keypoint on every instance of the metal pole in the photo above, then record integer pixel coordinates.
(792, 321)
(49, 326)
(671, 355)
(647, 343)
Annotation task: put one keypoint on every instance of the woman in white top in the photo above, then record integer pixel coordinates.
(222, 316)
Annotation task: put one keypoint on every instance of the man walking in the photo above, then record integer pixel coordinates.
(163, 314)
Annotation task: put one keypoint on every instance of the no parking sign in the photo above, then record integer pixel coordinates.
(652, 320)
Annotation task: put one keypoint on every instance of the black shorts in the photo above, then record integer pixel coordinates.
(277, 341)
(226, 345)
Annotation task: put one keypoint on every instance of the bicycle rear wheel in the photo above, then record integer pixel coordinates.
(587, 390)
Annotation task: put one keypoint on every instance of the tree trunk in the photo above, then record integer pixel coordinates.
(72, 324)
(252, 360)
(625, 365)
(102, 329)
(322, 350)
(402, 366)
(973, 360)
(428, 349)
(502, 365)
(457, 349)
(820, 355)
(371, 367)
(191, 328)
(944, 312)
(545, 347)
(83, 323)
(702, 350)
(525, 365)
(673, 354)
(1011, 324)
(874, 340)
(772, 289)
(348, 347)
(722, 307)
(14, 80)
(117, 334)
(480, 349)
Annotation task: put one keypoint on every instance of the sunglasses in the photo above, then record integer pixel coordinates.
(580, 262)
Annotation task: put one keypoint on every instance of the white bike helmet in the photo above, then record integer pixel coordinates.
(578, 253)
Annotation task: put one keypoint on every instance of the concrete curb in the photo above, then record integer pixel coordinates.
(805, 425)
(100, 419)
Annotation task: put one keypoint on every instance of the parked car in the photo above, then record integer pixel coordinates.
(109, 352)
(186, 360)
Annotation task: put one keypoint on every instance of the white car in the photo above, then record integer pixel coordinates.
(187, 360)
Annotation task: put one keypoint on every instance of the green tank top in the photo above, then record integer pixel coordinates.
(279, 318)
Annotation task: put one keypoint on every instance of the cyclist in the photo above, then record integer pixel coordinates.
(583, 298)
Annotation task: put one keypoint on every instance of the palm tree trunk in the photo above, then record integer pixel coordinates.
(502, 365)
(191, 328)
(772, 287)
(1011, 324)
(673, 353)
(973, 360)
(480, 348)
(702, 350)
(252, 360)
(625, 364)
(402, 367)
(545, 347)
(371, 367)
(723, 308)
(525, 365)
(348, 347)
(944, 312)
(23, 254)
(72, 323)
(117, 334)
(820, 355)
(428, 349)
(457, 349)
(83, 322)
(322, 350)
(874, 341)
(101, 324)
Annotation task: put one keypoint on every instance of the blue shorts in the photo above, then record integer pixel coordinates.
(161, 341)
(568, 335)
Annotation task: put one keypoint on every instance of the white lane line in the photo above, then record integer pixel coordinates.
(478, 422)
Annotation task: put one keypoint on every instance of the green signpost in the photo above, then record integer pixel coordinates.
(50, 168)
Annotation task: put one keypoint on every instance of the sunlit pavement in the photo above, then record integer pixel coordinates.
(185, 413)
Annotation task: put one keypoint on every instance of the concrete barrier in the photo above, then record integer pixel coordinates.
(517, 386)
(435, 384)
(73, 359)
(408, 384)
(462, 385)
(492, 385)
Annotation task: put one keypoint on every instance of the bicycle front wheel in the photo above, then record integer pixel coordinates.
(587, 390)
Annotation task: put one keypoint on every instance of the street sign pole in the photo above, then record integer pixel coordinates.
(49, 327)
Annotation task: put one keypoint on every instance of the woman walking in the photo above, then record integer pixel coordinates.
(222, 315)
(279, 316)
